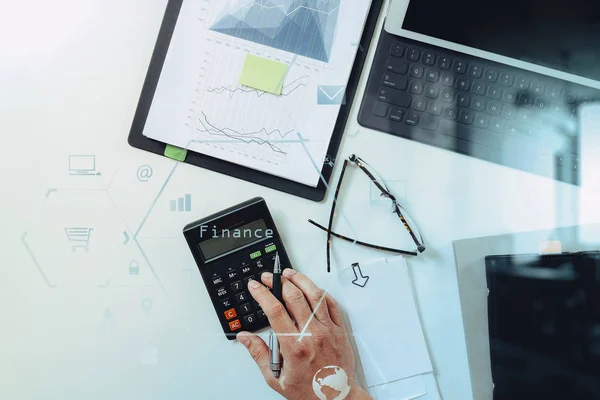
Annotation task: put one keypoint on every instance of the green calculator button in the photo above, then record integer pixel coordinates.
(256, 254)
(270, 248)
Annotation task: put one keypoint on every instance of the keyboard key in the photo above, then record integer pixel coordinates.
(428, 58)
(395, 97)
(507, 79)
(509, 96)
(432, 91)
(447, 79)
(478, 88)
(413, 54)
(538, 88)
(494, 108)
(522, 83)
(447, 95)
(241, 297)
(463, 100)
(235, 325)
(411, 118)
(435, 108)
(397, 50)
(396, 65)
(478, 104)
(540, 103)
(432, 76)
(249, 319)
(463, 84)
(498, 125)
(570, 97)
(482, 121)
(553, 91)
(444, 62)
(466, 117)
(429, 122)
(525, 99)
(475, 71)
(460, 66)
(525, 116)
(395, 81)
(230, 314)
(509, 112)
(450, 113)
(419, 104)
(397, 115)
(494, 92)
(416, 87)
(416, 71)
(237, 286)
(491, 75)
(245, 308)
(380, 110)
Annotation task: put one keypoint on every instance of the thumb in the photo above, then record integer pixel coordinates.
(259, 351)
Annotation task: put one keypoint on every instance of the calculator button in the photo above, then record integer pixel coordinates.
(241, 297)
(230, 314)
(237, 286)
(260, 264)
(256, 254)
(232, 274)
(256, 305)
(246, 270)
(249, 319)
(235, 325)
(226, 303)
(248, 279)
(245, 308)
(221, 292)
(270, 248)
(261, 315)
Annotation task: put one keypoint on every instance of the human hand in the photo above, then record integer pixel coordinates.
(325, 344)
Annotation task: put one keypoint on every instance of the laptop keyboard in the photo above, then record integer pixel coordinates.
(476, 107)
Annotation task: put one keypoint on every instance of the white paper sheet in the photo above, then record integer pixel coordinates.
(199, 104)
(385, 322)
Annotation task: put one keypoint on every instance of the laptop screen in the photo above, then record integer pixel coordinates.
(563, 35)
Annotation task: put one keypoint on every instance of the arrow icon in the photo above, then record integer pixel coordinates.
(126, 237)
(360, 280)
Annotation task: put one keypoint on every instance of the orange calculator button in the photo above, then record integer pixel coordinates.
(235, 325)
(230, 314)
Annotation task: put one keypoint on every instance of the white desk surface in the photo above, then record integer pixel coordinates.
(70, 78)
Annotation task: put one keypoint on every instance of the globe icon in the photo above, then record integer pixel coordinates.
(331, 383)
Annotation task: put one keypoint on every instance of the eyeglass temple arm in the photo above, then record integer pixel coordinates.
(337, 235)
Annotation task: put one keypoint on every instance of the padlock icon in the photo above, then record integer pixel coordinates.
(134, 268)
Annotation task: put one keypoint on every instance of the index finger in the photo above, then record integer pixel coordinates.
(278, 316)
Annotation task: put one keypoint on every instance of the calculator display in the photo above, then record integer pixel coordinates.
(225, 240)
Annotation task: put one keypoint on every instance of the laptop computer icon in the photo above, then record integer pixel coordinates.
(83, 165)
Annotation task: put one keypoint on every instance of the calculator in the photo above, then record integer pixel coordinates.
(231, 248)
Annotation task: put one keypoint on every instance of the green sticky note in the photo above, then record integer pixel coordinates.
(262, 74)
(176, 153)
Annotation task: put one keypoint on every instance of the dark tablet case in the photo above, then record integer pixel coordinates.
(137, 139)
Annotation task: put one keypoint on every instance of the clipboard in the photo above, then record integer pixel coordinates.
(137, 139)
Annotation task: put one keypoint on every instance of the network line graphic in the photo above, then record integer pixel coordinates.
(241, 89)
(303, 27)
(257, 137)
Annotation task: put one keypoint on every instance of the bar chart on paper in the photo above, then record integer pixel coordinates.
(303, 27)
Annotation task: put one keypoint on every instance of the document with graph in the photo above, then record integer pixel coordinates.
(201, 102)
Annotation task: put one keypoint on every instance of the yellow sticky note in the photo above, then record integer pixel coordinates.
(262, 74)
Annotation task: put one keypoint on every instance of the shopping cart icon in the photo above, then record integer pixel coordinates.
(79, 235)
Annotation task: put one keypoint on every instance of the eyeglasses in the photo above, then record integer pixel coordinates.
(396, 208)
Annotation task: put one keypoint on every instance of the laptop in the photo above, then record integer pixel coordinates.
(503, 82)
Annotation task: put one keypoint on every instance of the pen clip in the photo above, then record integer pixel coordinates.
(271, 336)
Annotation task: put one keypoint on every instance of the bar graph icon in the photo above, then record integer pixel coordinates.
(182, 204)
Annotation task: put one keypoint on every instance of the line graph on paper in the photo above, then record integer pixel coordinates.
(287, 90)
